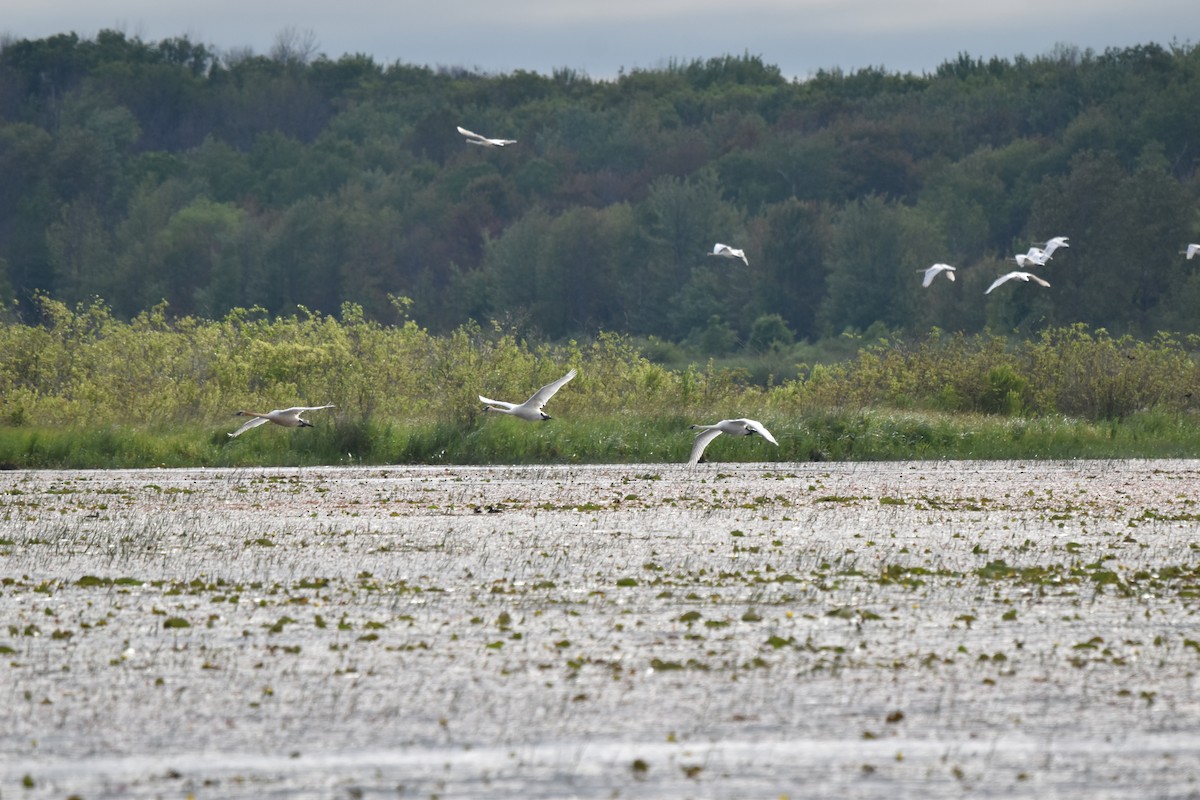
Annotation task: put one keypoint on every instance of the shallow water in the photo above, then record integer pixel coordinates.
(849, 630)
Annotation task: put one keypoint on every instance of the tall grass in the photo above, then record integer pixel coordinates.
(864, 435)
(82, 389)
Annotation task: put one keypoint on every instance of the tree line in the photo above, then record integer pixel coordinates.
(141, 172)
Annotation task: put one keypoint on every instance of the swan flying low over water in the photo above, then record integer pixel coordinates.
(483, 141)
(733, 427)
(726, 251)
(531, 409)
(1025, 276)
(936, 270)
(287, 417)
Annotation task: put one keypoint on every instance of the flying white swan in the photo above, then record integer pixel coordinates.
(936, 270)
(1036, 256)
(733, 427)
(729, 252)
(483, 141)
(531, 409)
(287, 417)
(1192, 249)
(1025, 276)
(1053, 244)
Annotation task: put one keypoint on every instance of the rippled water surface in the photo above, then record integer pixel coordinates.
(849, 630)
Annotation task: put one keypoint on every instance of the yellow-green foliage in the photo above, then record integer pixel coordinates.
(403, 394)
(82, 366)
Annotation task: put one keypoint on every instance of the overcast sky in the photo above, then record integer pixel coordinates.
(602, 37)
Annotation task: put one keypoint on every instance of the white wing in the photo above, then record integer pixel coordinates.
(500, 403)
(934, 271)
(1025, 276)
(475, 138)
(760, 429)
(1055, 243)
(542, 395)
(1006, 277)
(254, 423)
(1192, 249)
(702, 440)
(302, 409)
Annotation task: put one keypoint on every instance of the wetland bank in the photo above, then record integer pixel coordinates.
(993, 629)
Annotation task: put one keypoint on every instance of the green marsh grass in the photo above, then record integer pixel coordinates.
(869, 435)
(83, 389)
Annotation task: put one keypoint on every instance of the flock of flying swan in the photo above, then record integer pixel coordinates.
(532, 410)
(1036, 256)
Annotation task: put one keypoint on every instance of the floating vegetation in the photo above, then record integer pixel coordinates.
(926, 603)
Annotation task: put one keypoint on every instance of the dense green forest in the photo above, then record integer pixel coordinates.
(138, 172)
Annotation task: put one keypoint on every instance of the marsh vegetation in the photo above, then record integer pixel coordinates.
(84, 389)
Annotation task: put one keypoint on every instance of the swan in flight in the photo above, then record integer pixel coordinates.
(1192, 249)
(936, 270)
(287, 417)
(729, 252)
(1025, 276)
(531, 409)
(483, 141)
(733, 427)
(1053, 244)
(1036, 256)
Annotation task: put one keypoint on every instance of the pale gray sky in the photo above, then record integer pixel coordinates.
(600, 37)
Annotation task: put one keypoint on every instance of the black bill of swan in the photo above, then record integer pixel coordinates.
(483, 141)
(934, 271)
(287, 417)
(1025, 276)
(733, 427)
(531, 409)
(725, 251)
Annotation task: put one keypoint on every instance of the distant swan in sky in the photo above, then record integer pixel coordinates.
(726, 251)
(733, 427)
(936, 270)
(1036, 256)
(287, 417)
(1192, 249)
(483, 141)
(1025, 276)
(531, 409)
